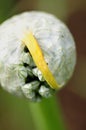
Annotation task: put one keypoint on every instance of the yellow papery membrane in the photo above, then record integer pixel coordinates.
(30, 41)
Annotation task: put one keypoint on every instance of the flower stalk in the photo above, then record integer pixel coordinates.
(47, 114)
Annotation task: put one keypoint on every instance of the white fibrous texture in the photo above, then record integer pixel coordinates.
(18, 73)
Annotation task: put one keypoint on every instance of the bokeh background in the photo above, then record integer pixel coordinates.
(14, 112)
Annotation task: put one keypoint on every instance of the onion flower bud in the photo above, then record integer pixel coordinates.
(37, 55)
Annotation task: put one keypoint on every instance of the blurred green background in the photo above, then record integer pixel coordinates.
(14, 112)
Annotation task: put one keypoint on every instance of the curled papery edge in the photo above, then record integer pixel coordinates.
(37, 55)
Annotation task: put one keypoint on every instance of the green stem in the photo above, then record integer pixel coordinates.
(47, 115)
